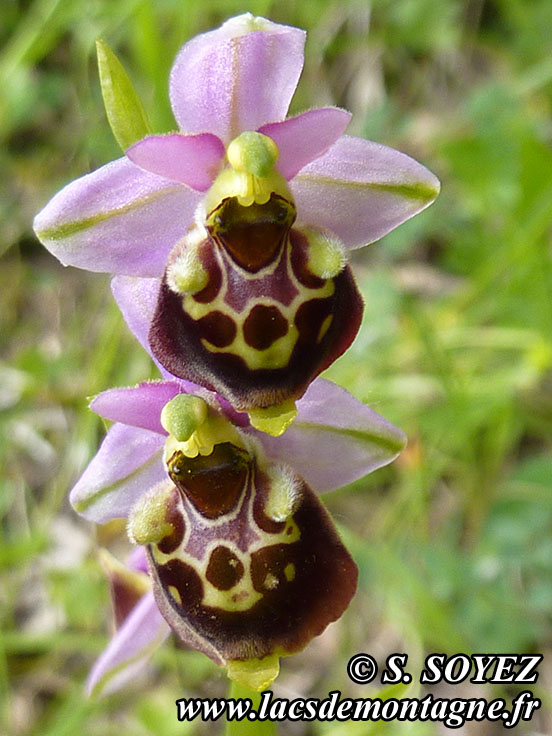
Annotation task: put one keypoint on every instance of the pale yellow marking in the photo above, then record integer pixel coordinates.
(324, 327)
(175, 594)
(290, 534)
(289, 572)
(275, 356)
(241, 597)
(161, 558)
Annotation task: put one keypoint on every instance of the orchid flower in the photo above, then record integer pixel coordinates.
(241, 220)
(232, 526)
(206, 492)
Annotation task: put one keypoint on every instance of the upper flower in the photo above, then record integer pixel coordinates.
(245, 216)
(124, 219)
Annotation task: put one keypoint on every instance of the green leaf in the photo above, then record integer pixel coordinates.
(125, 111)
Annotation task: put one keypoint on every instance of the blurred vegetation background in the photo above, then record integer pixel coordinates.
(454, 539)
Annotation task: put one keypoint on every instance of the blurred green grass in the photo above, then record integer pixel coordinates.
(454, 540)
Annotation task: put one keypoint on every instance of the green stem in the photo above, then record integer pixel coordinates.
(247, 727)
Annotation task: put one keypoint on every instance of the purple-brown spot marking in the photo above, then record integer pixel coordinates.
(184, 578)
(224, 569)
(217, 328)
(268, 565)
(263, 326)
(310, 317)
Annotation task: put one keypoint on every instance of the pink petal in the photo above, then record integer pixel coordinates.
(127, 464)
(236, 78)
(305, 137)
(139, 406)
(143, 631)
(117, 219)
(350, 439)
(137, 559)
(189, 159)
(137, 299)
(361, 190)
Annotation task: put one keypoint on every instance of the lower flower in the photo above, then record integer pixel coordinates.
(244, 563)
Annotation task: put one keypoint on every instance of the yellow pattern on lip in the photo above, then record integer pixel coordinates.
(276, 355)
